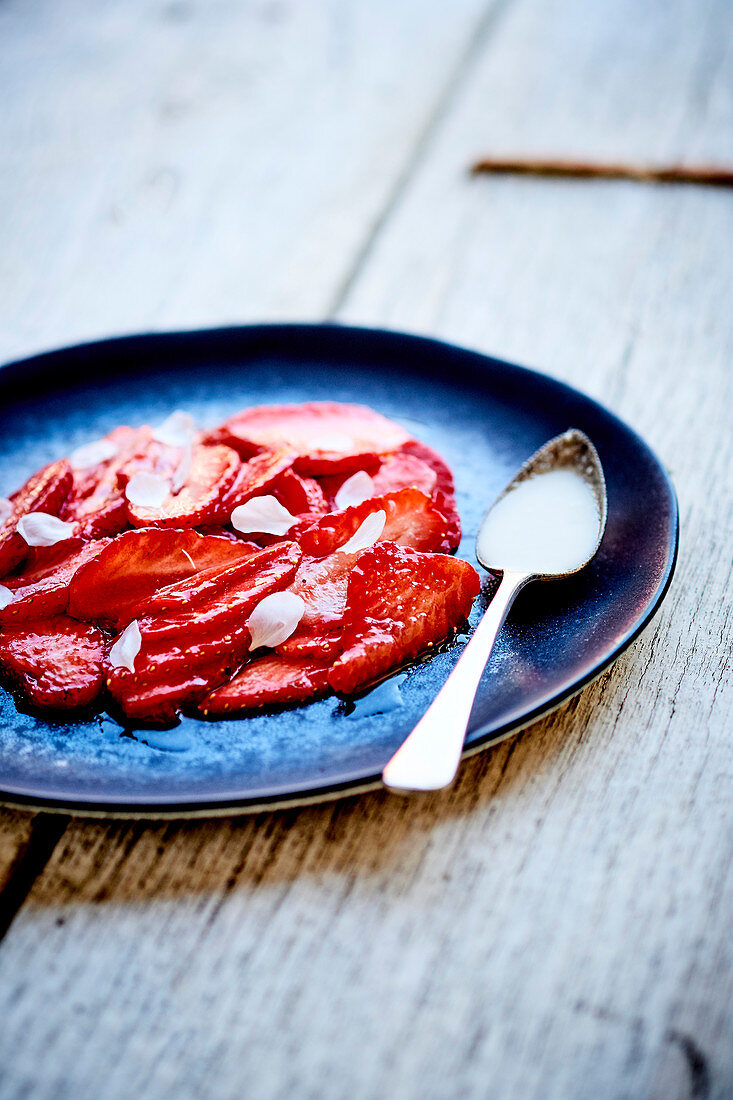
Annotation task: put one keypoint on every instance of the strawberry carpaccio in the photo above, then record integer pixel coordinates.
(293, 552)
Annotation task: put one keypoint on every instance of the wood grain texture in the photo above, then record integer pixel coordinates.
(181, 163)
(558, 924)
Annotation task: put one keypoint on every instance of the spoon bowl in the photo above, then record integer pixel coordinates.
(581, 488)
(546, 524)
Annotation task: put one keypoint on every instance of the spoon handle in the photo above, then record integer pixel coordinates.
(428, 759)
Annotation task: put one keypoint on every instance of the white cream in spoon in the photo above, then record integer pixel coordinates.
(548, 523)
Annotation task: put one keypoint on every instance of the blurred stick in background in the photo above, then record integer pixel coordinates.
(706, 174)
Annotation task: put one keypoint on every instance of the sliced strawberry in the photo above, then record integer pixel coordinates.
(266, 681)
(110, 589)
(399, 603)
(45, 491)
(159, 699)
(321, 583)
(305, 644)
(326, 436)
(395, 471)
(443, 492)
(184, 655)
(412, 520)
(254, 478)
(42, 589)
(214, 603)
(97, 501)
(212, 472)
(57, 663)
(300, 495)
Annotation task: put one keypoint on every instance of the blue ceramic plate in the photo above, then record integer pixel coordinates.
(486, 417)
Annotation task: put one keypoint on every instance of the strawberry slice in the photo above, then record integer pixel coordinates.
(305, 644)
(412, 520)
(112, 587)
(42, 589)
(212, 472)
(326, 436)
(400, 470)
(45, 491)
(217, 601)
(57, 664)
(399, 603)
(266, 681)
(158, 700)
(184, 655)
(300, 495)
(443, 492)
(254, 478)
(97, 501)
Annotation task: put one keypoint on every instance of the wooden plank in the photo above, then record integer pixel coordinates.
(15, 830)
(183, 164)
(556, 925)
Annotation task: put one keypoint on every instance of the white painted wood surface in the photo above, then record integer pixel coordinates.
(558, 925)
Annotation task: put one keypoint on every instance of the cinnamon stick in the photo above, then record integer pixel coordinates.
(710, 175)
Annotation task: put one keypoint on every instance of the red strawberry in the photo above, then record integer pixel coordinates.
(306, 644)
(211, 603)
(158, 699)
(327, 436)
(57, 663)
(443, 492)
(111, 588)
(300, 495)
(212, 472)
(186, 654)
(266, 681)
(399, 603)
(395, 471)
(97, 500)
(412, 520)
(45, 491)
(254, 478)
(42, 589)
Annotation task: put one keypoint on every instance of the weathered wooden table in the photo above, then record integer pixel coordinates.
(558, 925)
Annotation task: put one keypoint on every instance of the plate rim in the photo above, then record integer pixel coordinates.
(352, 784)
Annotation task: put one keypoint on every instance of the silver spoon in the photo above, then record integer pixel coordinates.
(429, 758)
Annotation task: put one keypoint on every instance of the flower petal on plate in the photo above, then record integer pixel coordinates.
(355, 490)
(177, 430)
(366, 534)
(92, 454)
(264, 514)
(146, 490)
(126, 648)
(275, 618)
(40, 529)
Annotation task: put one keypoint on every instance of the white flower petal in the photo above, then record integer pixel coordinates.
(6, 596)
(40, 529)
(6, 509)
(146, 490)
(355, 490)
(123, 652)
(263, 514)
(365, 535)
(126, 648)
(177, 430)
(183, 469)
(275, 618)
(91, 454)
